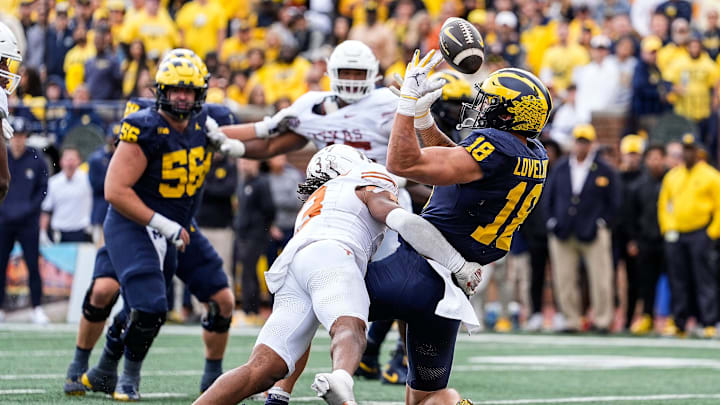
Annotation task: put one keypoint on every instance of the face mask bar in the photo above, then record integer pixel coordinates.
(11, 74)
(467, 120)
(351, 90)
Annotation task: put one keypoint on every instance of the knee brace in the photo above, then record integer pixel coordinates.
(140, 333)
(93, 313)
(114, 345)
(213, 321)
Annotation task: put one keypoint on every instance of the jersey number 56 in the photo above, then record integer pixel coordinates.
(188, 168)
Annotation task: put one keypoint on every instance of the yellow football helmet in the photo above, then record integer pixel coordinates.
(179, 73)
(512, 100)
(190, 55)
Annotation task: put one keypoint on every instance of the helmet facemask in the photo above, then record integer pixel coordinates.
(352, 90)
(9, 69)
(356, 56)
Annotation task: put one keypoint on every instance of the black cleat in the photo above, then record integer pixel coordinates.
(97, 380)
(369, 368)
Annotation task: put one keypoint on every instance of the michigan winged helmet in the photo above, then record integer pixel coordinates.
(512, 100)
(178, 72)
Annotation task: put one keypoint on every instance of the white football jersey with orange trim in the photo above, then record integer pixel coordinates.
(365, 125)
(334, 212)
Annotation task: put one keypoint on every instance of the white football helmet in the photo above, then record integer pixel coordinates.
(10, 58)
(333, 161)
(352, 55)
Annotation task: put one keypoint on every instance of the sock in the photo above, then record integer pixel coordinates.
(108, 361)
(277, 396)
(213, 366)
(344, 375)
(79, 363)
(131, 374)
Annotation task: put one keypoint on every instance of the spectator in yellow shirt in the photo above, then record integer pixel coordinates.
(154, 27)
(202, 26)
(677, 48)
(234, 49)
(283, 78)
(689, 218)
(561, 59)
(74, 65)
(694, 78)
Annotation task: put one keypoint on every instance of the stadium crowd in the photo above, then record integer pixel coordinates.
(644, 199)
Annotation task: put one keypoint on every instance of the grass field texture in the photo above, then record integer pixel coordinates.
(488, 368)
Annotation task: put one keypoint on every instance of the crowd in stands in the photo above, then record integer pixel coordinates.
(652, 66)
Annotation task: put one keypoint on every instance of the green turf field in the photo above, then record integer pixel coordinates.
(489, 369)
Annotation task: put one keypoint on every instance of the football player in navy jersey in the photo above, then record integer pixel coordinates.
(200, 267)
(158, 167)
(485, 186)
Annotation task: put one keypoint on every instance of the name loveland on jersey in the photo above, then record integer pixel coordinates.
(364, 125)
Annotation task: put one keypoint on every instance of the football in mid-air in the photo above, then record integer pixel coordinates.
(462, 45)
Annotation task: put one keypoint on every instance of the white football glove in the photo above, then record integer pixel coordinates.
(213, 132)
(233, 148)
(468, 278)
(271, 126)
(423, 118)
(168, 228)
(415, 84)
(7, 129)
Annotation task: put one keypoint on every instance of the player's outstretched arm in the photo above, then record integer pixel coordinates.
(126, 166)
(4, 170)
(434, 165)
(278, 124)
(267, 148)
(422, 236)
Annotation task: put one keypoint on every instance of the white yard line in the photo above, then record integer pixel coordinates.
(614, 398)
(21, 392)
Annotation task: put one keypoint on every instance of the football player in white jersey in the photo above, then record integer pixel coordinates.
(353, 113)
(319, 277)
(10, 60)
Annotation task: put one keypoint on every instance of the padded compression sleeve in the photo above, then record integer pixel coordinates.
(425, 238)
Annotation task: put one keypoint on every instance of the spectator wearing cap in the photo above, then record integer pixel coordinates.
(202, 26)
(561, 59)
(689, 217)
(116, 11)
(20, 213)
(83, 14)
(58, 41)
(625, 247)
(582, 200)
(598, 82)
(98, 163)
(25, 16)
(234, 49)
(507, 42)
(68, 203)
(645, 233)
(674, 9)
(649, 91)
(694, 78)
(103, 76)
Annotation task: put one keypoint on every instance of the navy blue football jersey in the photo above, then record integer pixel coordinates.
(221, 114)
(176, 162)
(479, 218)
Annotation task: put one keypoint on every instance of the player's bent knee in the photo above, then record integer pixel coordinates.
(225, 301)
(267, 367)
(213, 321)
(141, 331)
(348, 323)
(99, 301)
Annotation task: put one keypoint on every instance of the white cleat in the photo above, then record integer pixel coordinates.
(335, 388)
(39, 317)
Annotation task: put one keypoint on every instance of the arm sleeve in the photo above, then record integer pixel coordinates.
(425, 238)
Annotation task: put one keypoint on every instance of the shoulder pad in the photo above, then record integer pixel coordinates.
(376, 175)
(137, 104)
(220, 113)
(138, 125)
(507, 144)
